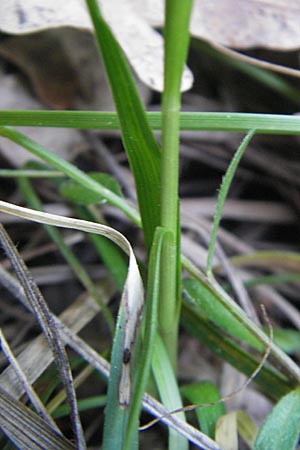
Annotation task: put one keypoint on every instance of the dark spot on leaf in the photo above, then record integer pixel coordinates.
(126, 355)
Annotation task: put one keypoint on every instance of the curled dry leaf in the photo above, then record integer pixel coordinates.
(133, 293)
(141, 43)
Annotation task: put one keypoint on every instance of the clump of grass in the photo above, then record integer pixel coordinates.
(144, 352)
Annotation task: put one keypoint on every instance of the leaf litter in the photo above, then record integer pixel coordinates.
(265, 167)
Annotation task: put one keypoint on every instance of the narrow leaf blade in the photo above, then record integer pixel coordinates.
(139, 141)
(208, 305)
(143, 363)
(83, 196)
(246, 428)
(201, 393)
(168, 389)
(281, 429)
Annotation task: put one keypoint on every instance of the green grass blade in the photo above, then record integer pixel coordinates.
(176, 33)
(107, 250)
(272, 382)
(191, 121)
(207, 304)
(116, 416)
(226, 183)
(139, 142)
(117, 410)
(84, 404)
(70, 170)
(281, 429)
(201, 393)
(246, 428)
(78, 194)
(130, 422)
(119, 393)
(30, 173)
(34, 202)
(273, 279)
(168, 390)
(287, 339)
(150, 323)
(269, 79)
(279, 357)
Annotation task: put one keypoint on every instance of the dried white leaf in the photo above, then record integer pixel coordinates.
(76, 317)
(140, 42)
(266, 23)
(270, 24)
(31, 394)
(133, 293)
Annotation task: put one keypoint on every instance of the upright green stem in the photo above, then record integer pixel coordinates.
(176, 45)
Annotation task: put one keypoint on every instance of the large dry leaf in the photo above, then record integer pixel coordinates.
(239, 24)
(272, 24)
(61, 77)
(141, 43)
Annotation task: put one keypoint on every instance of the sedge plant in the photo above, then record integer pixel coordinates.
(207, 311)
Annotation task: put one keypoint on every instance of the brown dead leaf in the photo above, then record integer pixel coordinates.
(46, 64)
